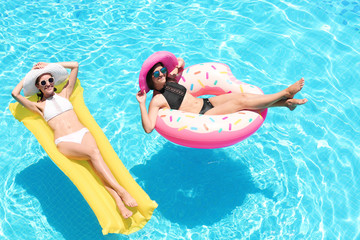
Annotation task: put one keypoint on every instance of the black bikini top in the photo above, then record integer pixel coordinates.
(174, 94)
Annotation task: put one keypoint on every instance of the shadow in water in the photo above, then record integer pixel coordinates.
(195, 186)
(63, 205)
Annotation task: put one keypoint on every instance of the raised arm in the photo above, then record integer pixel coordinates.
(69, 87)
(177, 72)
(148, 119)
(181, 64)
(16, 94)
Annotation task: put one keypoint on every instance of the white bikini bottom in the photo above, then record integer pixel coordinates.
(75, 137)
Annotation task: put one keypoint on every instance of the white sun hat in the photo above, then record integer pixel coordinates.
(58, 72)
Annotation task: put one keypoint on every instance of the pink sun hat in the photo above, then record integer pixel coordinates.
(168, 59)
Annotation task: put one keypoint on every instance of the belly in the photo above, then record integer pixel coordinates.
(191, 104)
(65, 123)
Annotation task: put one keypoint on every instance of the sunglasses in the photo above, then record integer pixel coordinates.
(157, 73)
(50, 80)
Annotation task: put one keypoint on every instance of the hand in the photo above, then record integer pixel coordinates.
(40, 65)
(141, 96)
(173, 73)
(181, 63)
(177, 72)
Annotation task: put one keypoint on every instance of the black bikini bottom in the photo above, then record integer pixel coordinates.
(206, 106)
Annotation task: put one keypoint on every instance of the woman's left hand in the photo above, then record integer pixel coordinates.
(176, 73)
(173, 73)
(181, 63)
(40, 65)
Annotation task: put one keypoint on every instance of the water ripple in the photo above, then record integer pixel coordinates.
(301, 166)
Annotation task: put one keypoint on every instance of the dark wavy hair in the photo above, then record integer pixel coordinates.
(41, 94)
(149, 80)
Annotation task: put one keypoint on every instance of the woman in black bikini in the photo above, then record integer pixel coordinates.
(169, 94)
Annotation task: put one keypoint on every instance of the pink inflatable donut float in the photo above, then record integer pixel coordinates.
(204, 131)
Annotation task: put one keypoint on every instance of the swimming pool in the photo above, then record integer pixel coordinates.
(295, 178)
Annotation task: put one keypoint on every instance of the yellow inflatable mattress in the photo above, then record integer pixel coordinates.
(82, 174)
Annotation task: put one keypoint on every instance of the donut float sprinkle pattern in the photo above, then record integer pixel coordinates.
(210, 131)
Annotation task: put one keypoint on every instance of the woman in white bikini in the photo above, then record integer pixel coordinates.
(71, 137)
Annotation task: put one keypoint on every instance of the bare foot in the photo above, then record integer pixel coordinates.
(293, 103)
(119, 198)
(295, 88)
(126, 213)
(128, 199)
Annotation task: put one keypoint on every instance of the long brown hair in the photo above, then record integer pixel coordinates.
(149, 80)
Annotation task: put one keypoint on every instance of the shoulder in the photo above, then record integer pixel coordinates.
(171, 81)
(40, 105)
(63, 94)
(158, 100)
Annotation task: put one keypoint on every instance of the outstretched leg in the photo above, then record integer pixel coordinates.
(229, 103)
(126, 213)
(88, 150)
(291, 103)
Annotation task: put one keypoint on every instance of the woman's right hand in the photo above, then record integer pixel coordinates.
(141, 96)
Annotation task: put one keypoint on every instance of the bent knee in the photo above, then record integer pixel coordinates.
(241, 96)
(94, 152)
(240, 101)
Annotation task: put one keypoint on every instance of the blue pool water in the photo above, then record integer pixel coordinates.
(297, 177)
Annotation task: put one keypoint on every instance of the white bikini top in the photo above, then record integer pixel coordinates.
(56, 105)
